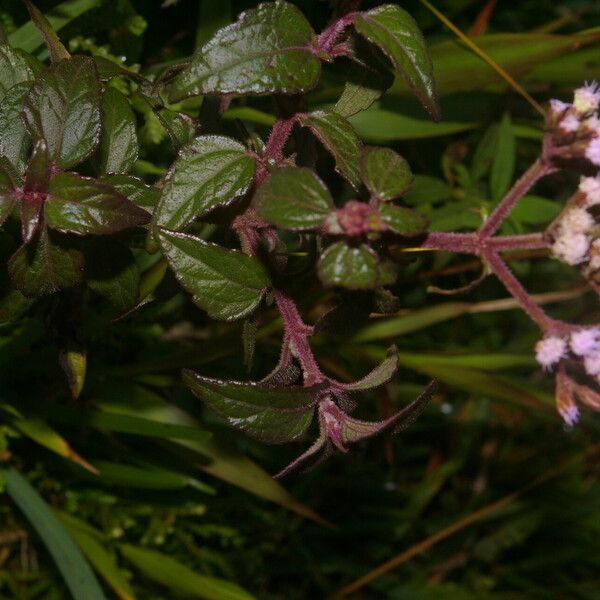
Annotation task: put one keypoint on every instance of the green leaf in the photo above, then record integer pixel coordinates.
(37, 176)
(535, 210)
(55, 47)
(367, 81)
(14, 139)
(385, 173)
(181, 579)
(294, 198)
(16, 67)
(211, 171)
(403, 221)
(378, 376)
(503, 165)
(83, 205)
(129, 424)
(227, 284)
(134, 189)
(119, 143)
(399, 37)
(273, 415)
(89, 541)
(267, 50)
(352, 267)
(7, 200)
(339, 138)
(44, 266)
(74, 568)
(73, 360)
(180, 126)
(63, 107)
(148, 478)
(427, 190)
(28, 38)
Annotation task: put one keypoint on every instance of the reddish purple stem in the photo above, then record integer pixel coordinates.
(328, 37)
(296, 335)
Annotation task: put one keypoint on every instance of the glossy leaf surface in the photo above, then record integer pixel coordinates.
(294, 198)
(83, 205)
(385, 173)
(399, 37)
(63, 107)
(119, 143)
(271, 414)
(267, 50)
(339, 138)
(211, 171)
(227, 284)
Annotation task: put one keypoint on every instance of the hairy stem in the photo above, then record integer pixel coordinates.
(297, 334)
(328, 37)
(518, 292)
(540, 168)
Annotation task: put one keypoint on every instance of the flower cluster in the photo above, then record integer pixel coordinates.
(582, 347)
(574, 233)
(576, 126)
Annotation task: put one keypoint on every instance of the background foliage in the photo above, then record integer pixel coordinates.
(487, 495)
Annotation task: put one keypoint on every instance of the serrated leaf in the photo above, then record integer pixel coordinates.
(63, 107)
(294, 198)
(227, 284)
(180, 126)
(134, 189)
(378, 376)
(14, 139)
(211, 171)
(44, 266)
(119, 143)
(76, 571)
(399, 37)
(16, 67)
(7, 199)
(177, 577)
(403, 221)
(273, 415)
(385, 173)
(83, 205)
(267, 50)
(503, 164)
(339, 138)
(352, 267)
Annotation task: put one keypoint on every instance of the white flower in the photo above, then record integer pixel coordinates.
(577, 220)
(590, 186)
(550, 350)
(592, 363)
(587, 98)
(585, 341)
(571, 248)
(592, 125)
(592, 152)
(570, 123)
(558, 107)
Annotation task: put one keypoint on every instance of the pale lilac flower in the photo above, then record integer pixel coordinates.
(571, 248)
(585, 341)
(587, 98)
(577, 220)
(590, 186)
(592, 152)
(558, 107)
(570, 414)
(570, 123)
(592, 364)
(550, 350)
